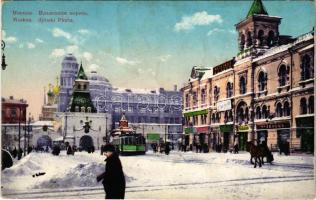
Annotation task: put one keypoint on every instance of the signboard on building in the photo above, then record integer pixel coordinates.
(222, 67)
(243, 128)
(188, 130)
(226, 128)
(202, 129)
(224, 105)
(153, 136)
(273, 125)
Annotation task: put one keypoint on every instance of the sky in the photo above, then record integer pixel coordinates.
(135, 44)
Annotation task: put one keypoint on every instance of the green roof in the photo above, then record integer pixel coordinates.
(81, 99)
(81, 74)
(257, 7)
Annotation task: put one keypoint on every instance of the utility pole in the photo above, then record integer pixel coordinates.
(19, 157)
(106, 129)
(24, 153)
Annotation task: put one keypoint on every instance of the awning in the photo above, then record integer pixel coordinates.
(188, 130)
(195, 113)
(226, 128)
(243, 128)
(153, 136)
(204, 129)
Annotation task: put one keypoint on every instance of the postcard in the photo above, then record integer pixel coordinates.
(157, 99)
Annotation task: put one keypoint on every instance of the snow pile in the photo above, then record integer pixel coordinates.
(63, 171)
(82, 175)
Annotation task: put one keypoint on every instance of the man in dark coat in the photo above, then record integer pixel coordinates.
(113, 177)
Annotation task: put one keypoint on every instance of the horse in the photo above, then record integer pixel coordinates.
(255, 152)
(265, 153)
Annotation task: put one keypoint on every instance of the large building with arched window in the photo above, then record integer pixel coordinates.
(265, 93)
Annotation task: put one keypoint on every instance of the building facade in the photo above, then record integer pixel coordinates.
(265, 93)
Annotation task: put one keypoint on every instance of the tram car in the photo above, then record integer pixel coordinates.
(126, 140)
(130, 143)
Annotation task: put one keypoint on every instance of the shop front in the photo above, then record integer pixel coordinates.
(283, 135)
(227, 133)
(201, 139)
(305, 130)
(242, 134)
(215, 140)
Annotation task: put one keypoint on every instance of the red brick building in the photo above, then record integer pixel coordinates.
(13, 110)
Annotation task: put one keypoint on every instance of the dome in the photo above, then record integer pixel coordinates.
(56, 90)
(70, 57)
(95, 77)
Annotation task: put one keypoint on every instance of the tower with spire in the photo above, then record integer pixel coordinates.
(80, 99)
(258, 32)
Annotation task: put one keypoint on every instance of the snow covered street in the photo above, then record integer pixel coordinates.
(179, 175)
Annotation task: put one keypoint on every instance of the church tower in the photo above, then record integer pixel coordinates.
(68, 74)
(258, 31)
(81, 100)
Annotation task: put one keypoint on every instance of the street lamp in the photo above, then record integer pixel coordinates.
(106, 129)
(3, 64)
(28, 131)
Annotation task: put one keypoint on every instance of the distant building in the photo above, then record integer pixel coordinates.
(142, 107)
(13, 120)
(50, 107)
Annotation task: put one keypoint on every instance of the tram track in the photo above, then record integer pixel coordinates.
(86, 192)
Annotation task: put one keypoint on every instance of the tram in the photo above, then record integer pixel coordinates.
(130, 143)
(126, 140)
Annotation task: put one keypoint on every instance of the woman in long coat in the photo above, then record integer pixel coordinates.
(113, 177)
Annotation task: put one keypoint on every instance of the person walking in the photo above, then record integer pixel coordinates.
(113, 178)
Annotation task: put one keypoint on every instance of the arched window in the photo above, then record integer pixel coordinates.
(194, 97)
(230, 117)
(307, 70)
(229, 89)
(203, 96)
(287, 110)
(264, 112)
(216, 93)
(218, 117)
(261, 81)
(241, 112)
(270, 39)
(311, 104)
(187, 100)
(226, 116)
(282, 75)
(83, 109)
(260, 37)
(242, 85)
(303, 106)
(249, 39)
(279, 111)
(242, 42)
(258, 113)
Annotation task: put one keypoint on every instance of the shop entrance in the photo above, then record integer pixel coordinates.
(262, 136)
(226, 141)
(283, 141)
(307, 140)
(242, 139)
